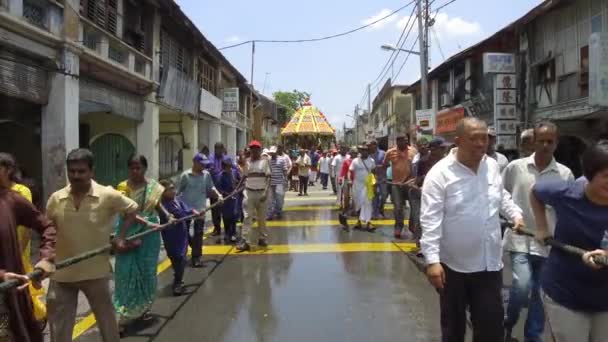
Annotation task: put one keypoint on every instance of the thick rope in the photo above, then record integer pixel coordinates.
(37, 274)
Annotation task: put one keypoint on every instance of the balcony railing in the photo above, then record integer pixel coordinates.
(239, 119)
(113, 49)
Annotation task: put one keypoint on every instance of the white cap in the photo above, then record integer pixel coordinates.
(272, 149)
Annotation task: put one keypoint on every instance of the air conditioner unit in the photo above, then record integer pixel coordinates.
(446, 100)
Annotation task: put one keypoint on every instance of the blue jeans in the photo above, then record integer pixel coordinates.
(527, 269)
(276, 200)
(379, 199)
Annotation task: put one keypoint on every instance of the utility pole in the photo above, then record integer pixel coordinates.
(357, 125)
(251, 116)
(423, 29)
(369, 97)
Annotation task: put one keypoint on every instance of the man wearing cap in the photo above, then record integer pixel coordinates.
(193, 187)
(257, 183)
(436, 151)
(499, 157)
(278, 177)
(400, 158)
(214, 166)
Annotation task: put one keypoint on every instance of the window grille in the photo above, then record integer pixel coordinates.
(34, 14)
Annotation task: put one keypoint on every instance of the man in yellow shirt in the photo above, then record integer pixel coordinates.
(84, 213)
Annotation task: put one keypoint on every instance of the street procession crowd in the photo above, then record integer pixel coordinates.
(457, 197)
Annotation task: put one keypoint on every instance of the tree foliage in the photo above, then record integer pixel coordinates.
(291, 100)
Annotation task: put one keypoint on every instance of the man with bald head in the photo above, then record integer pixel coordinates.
(526, 143)
(462, 196)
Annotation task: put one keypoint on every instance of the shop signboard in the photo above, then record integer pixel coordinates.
(425, 121)
(598, 69)
(231, 99)
(498, 63)
(507, 142)
(447, 120)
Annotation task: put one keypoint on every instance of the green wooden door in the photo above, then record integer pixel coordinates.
(111, 152)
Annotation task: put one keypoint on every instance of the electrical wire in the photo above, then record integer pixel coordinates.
(438, 42)
(434, 16)
(325, 37)
(388, 62)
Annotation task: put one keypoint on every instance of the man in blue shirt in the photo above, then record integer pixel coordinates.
(215, 170)
(381, 190)
(193, 187)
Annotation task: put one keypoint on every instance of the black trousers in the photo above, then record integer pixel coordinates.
(178, 263)
(229, 225)
(216, 216)
(303, 184)
(481, 293)
(196, 241)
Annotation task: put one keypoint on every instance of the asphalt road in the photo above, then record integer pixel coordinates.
(314, 283)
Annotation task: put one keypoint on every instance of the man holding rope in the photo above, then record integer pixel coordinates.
(17, 321)
(527, 255)
(85, 214)
(462, 196)
(400, 158)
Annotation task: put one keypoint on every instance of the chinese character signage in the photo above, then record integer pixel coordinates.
(498, 63)
(505, 110)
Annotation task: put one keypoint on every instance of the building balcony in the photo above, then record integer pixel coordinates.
(112, 50)
(39, 19)
(237, 119)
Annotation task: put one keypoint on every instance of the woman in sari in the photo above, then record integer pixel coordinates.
(135, 269)
(10, 180)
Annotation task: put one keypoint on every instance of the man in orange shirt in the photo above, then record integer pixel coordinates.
(401, 158)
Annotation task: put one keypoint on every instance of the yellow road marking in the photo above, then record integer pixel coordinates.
(89, 321)
(310, 198)
(317, 248)
(322, 207)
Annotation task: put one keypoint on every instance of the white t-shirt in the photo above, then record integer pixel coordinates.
(324, 165)
(257, 182)
(336, 164)
(361, 169)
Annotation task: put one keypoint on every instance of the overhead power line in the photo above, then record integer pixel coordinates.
(325, 37)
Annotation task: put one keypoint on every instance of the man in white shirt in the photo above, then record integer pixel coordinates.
(527, 255)
(303, 163)
(499, 157)
(257, 184)
(461, 236)
(324, 169)
(336, 166)
(360, 168)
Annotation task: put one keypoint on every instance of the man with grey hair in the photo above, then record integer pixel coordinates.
(526, 143)
(499, 157)
(462, 196)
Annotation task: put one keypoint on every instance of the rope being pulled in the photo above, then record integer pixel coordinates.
(598, 259)
(37, 274)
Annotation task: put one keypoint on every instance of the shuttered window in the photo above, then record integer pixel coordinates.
(102, 12)
(207, 77)
(173, 54)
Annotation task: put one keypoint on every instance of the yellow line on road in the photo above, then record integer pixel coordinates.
(310, 198)
(319, 223)
(322, 207)
(317, 248)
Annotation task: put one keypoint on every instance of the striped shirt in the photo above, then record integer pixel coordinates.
(278, 171)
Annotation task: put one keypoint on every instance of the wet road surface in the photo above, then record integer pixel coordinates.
(314, 283)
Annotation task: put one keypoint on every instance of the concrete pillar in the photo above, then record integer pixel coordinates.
(231, 140)
(147, 135)
(59, 126)
(215, 133)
